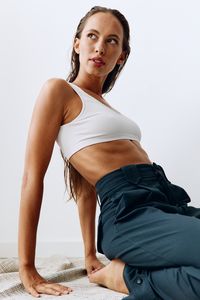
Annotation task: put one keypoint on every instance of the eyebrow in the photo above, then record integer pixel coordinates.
(114, 35)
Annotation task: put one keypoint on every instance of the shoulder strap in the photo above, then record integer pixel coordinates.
(77, 89)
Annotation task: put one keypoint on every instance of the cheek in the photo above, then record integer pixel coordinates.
(113, 60)
(113, 54)
(85, 47)
(85, 52)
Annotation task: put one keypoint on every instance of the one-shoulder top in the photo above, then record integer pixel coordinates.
(95, 123)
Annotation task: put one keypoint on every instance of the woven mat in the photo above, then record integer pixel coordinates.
(67, 271)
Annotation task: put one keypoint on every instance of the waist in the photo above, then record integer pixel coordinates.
(126, 176)
(95, 161)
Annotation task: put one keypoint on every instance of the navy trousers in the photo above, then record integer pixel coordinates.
(146, 222)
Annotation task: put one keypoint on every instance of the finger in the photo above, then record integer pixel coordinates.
(53, 289)
(33, 292)
(92, 271)
(96, 269)
(46, 289)
(61, 288)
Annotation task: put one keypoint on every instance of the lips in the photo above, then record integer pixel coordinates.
(98, 60)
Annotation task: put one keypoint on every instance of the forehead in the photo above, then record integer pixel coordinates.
(104, 23)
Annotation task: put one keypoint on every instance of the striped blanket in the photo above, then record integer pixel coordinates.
(67, 271)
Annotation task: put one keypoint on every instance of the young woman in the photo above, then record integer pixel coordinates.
(146, 227)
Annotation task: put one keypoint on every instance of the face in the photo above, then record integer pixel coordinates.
(100, 44)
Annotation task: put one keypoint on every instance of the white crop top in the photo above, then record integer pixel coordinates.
(96, 123)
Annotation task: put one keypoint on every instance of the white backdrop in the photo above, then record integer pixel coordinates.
(159, 88)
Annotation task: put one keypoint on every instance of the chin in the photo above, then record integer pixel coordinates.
(96, 72)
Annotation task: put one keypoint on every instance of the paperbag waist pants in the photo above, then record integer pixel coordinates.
(146, 222)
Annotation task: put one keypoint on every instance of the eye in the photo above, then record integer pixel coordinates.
(112, 39)
(90, 35)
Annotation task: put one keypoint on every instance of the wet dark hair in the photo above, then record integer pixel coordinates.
(78, 185)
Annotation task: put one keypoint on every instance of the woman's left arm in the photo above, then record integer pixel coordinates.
(87, 213)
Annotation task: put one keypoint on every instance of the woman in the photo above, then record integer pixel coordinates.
(145, 227)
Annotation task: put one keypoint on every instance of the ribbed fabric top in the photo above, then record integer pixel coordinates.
(96, 123)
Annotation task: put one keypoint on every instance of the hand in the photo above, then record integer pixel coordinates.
(92, 264)
(35, 285)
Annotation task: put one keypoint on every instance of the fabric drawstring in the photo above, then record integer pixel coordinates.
(163, 180)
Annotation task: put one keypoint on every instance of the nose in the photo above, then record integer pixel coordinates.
(100, 49)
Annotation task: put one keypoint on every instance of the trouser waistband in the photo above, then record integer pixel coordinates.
(117, 179)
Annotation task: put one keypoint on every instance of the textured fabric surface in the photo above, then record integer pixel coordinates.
(67, 271)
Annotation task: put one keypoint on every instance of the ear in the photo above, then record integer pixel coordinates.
(121, 58)
(76, 45)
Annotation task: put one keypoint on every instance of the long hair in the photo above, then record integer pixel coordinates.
(73, 179)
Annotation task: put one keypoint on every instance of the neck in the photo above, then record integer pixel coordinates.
(93, 83)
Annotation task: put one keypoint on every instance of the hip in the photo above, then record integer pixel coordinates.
(137, 185)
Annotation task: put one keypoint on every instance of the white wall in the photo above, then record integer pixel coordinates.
(159, 89)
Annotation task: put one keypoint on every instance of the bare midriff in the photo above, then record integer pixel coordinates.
(95, 161)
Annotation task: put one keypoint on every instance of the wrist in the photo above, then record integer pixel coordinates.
(26, 266)
(90, 253)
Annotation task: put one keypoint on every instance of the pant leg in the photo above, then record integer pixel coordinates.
(181, 283)
(162, 254)
(153, 238)
(161, 266)
(152, 230)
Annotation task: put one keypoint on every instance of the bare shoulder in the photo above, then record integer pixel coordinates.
(51, 102)
(55, 94)
(57, 83)
(58, 87)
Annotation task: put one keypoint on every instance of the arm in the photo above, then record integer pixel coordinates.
(46, 119)
(87, 212)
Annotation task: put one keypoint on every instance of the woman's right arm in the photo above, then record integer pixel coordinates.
(46, 120)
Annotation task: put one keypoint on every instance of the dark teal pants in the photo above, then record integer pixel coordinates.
(146, 222)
